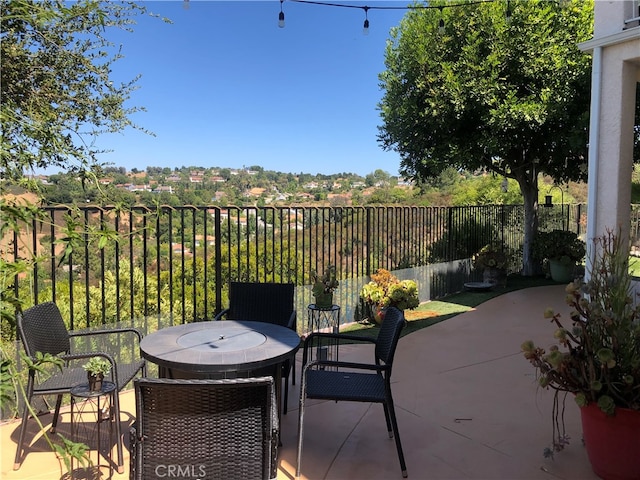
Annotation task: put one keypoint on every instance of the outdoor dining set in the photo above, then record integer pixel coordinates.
(213, 409)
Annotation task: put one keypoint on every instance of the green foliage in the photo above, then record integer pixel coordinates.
(493, 89)
(561, 245)
(486, 190)
(7, 384)
(12, 387)
(57, 96)
(97, 366)
(490, 256)
(69, 450)
(465, 238)
(325, 283)
(505, 97)
(386, 290)
(57, 88)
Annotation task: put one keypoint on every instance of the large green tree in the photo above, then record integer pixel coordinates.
(503, 87)
(57, 88)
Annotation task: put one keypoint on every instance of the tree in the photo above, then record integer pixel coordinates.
(505, 94)
(57, 96)
(57, 90)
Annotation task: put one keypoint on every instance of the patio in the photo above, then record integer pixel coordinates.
(466, 399)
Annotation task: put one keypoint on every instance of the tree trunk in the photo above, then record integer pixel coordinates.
(528, 182)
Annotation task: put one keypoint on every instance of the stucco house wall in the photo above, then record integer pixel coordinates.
(615, 49)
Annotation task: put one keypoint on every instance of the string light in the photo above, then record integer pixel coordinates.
(365, 29)
(281, 16)
(366, 9)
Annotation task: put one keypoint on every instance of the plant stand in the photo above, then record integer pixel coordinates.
(89, 410)
(324, 319)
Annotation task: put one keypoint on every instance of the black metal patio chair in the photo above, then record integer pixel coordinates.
(42, 329)
(214, 429)
(265, 302)
(355, 382)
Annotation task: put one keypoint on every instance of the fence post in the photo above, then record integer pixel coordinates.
(218, 259)
(368, 242)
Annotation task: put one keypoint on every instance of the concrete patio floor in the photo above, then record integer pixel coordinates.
(466, 401)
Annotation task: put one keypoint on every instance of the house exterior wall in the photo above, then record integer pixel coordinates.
(615, 48)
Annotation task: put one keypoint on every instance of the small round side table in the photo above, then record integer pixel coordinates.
(89, 410)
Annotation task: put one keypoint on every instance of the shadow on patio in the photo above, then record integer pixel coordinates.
(466, 399)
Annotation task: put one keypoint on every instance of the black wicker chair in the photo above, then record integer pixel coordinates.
(355, 382)
(42, 329)
(214, 429)
(265, 302)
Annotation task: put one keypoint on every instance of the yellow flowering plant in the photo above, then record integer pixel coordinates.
(385, 290)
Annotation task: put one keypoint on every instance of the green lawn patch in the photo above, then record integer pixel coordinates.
(435, 311)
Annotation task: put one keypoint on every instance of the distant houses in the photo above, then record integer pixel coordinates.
(332, 191)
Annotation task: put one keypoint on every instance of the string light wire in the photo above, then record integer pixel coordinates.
(366, 9)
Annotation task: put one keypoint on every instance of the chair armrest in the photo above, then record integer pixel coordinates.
(308, 342)
(334, 336)
(221, 314)
(112, 331)
(337, 336)
(351, 365)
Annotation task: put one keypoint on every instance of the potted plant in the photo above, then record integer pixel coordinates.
(597, 359)
(385, 290)
(97, 368)
(492, 261)
(324, 286)
(562, 250)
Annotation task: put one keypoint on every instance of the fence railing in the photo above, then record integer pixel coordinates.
(102, 265)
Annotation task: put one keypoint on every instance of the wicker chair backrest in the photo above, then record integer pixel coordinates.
(261, 302)
(214, 429)
(389, 334)
(42, 329)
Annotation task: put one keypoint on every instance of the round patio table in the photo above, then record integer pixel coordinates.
(218, 349)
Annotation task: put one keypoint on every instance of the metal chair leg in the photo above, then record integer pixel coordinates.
(23, 429)
(300, 426)
(396, 433)
(56, 414)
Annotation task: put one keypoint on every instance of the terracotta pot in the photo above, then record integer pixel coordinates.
(95, 382)
(612, 442)
(378, 316)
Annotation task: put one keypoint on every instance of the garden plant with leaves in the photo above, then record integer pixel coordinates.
(596, 357)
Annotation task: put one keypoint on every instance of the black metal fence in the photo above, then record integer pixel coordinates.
(102, 265)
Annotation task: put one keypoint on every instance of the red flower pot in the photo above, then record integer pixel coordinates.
(612, 442)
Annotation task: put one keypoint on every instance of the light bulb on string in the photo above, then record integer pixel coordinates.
(281, 16)
(365, 28)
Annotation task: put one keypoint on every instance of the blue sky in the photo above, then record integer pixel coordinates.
(225, 87)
